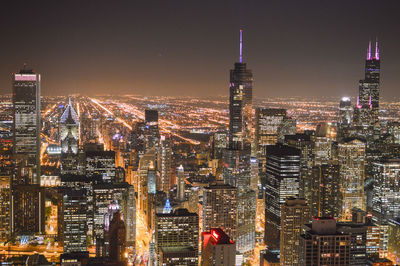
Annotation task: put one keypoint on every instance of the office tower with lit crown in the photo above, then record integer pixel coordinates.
(27, 197)
(75, 220)
(345, 118)
(220, 208)
(218, 248)
(367, 107)
(69, 135)
(386, 191)
(177, 237)
(351, 156)
(240, 102)
(326, 197)
(295, 213)
(27, 125)
(322, 244)
(164, 161)
(282, 175)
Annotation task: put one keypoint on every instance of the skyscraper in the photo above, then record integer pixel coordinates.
(386, 191)
(75, 220)
(322, 244)
(351, 154)
(181, 183)
(151, 128)
(267, 126)
(367, 107)
(240, 101)
(177, 235)
(295, 213)
(220, 208)
(283, 173)
(117, 238)
(164, 161)
(345, 117)
(27, 126)
(69, 135)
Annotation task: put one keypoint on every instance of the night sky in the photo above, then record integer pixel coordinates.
(186, 47)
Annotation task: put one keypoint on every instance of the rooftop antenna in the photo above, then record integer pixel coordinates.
(376, 49)
(369, 51)
(241, 47)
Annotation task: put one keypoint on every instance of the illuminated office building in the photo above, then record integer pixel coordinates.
(152, 132)
(117, 238)
(294, 214)
(101, 163)
(69, 135)
(386, 191)
(27, 125)
(177, 237)
(240, 102)
(345, 117)
(366, 112)
(351, 155)
(323, 244)
(220, 208)
(282, 181)
(75, 220)
(268, 122)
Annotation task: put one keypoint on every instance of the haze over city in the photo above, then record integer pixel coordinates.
(307, 48)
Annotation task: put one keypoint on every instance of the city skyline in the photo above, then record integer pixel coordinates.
(99, 50)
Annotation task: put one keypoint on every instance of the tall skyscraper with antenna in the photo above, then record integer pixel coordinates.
(367, 106)
(240, 101)
(237, 156)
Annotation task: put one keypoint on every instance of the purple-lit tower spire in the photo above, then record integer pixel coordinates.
(241, 47)
(241, 101)
(369, 57)
(376, 49)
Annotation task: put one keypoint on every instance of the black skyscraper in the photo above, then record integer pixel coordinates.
(240, 102)
(367, 107)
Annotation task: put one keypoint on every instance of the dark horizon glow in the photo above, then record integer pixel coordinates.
(186, 48)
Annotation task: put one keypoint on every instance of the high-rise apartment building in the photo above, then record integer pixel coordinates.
(326, 197)
(282, 181)
(351, 156)
(220, 208)
(295, 213)
(164, 164)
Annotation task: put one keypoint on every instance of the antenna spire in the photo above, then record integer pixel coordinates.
(369, 51)
(241, 47)
(376, 49)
